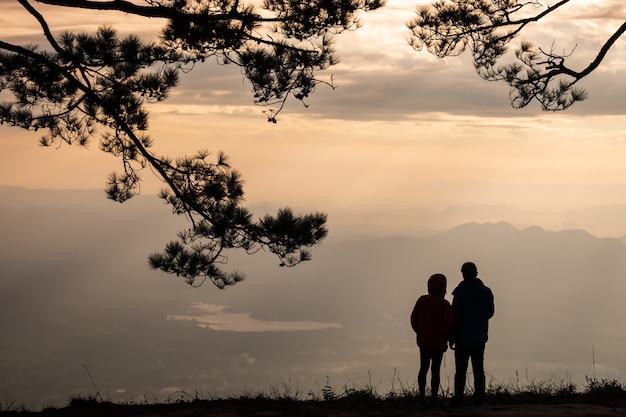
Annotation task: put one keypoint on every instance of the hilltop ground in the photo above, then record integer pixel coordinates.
(286, 408)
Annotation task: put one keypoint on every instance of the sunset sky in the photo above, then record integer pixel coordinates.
(404, 150)
(402, 129)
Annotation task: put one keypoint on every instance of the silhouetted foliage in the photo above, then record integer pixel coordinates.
(486, 27)
(85, 84)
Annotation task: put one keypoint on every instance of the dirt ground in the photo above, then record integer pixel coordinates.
(322, 409)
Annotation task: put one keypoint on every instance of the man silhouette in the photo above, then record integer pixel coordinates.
(473, 306)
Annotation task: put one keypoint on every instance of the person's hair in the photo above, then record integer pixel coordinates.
(469, 269)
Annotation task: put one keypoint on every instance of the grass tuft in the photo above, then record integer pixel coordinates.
(605, 391)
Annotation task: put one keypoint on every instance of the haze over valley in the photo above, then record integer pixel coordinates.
(77, 292)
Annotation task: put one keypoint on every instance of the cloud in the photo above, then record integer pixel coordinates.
(22, 28)
(606, 9)
(379, 76)
(215, 317)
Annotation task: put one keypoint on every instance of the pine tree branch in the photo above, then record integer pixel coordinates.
(153, 11)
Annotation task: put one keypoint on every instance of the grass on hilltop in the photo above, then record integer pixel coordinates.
(604, 392)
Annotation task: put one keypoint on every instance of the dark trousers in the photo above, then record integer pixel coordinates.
(429, 358)
(462, 356)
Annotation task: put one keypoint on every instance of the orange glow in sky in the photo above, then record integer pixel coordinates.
(398, 123)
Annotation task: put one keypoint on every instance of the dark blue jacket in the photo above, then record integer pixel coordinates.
(473, 306)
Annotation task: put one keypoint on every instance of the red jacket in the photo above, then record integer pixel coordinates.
(432, 318)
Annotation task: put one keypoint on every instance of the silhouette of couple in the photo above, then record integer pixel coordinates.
(463, 326)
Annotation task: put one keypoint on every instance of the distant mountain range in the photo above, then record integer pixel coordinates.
(421, 221)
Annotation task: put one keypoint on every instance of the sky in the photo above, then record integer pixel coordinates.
(406, 145)
(402, 129)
